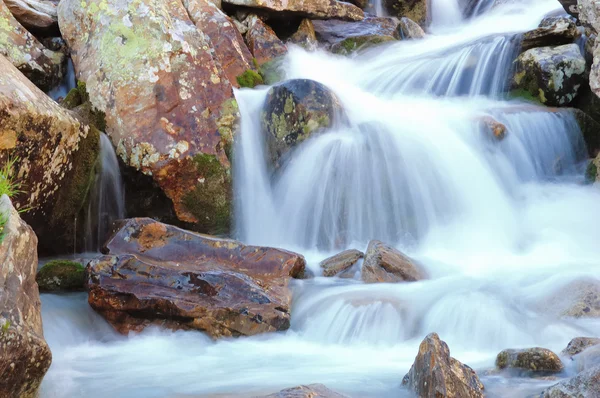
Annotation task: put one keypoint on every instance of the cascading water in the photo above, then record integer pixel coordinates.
(500, 225)
(69, 82)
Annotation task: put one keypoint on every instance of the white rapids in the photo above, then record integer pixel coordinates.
(500, 226)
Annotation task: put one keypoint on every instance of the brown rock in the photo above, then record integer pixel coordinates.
(383, 263)
(535, 359)
(579, 344)
(492, 127)
(415, 10)
(344, 37)
(552, 31)
(36, 15)
(314, 9)
(158, 274)
(584, 385)
(262, 41)
(305, 36)
(169, 108)
(409, 29)
(24, 354)
(309, 391)
(340, 262)
(436, 374)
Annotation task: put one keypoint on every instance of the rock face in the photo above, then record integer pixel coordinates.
(313, 9)
(551, 32)
(584, 385)
(61, 275)
(340, 262)
(345, 37)
(309, 391)
(262, 41)
(579, 344)
(409, 29)
(293, 111)
(531, 359)
(157, 274)
(23, 50)
(169, 108)
(383, 263)
(436, 374)
(56, 157)
(24, 354)
(35, 15)
(550, 74)
(415, 10)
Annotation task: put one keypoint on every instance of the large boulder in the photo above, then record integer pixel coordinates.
(293, 111)
(314, 9)
(535, 359)
(552, 75)
(41, 65)
(342, 37)
(339, 263)
(24, 354)
(436, 374)
(416, 10)
(308, 391)
(384, 263)
(585, 385)
(157, 274)
(169, 106)
(552, 31)
(56, 157)
(39, 16)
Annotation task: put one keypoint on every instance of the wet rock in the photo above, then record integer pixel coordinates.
(24, 354)
(579, 344)
(436, 374)
(383, 263)
(535, 359)
(293, 111)
(157, 274)
(409, 29)
(39, 16)
(340, 262)
(308, 391)
(590, 128)
(56, 156)
(61, 275)
(592, 172)
(415, 10)
(584, 385)
(552, 31)
(552, 75)
(314, 9)
(169, 107)
(346, 37)
(492, 127)
(570, 7)
(266, 48)
(41, 65)
(579, 299)
(305, 36)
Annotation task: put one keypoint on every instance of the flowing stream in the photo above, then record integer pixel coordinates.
(503, 227)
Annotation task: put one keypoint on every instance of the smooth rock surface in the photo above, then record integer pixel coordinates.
(35, 15)
(384, 264)
(552, 31)
(314, 9)
(535, 359)
(345, 37)
(340, 262)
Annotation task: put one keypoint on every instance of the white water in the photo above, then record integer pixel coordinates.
(501, 228)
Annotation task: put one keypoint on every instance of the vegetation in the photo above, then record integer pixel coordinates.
(249, 79)
(9, 187)
(61, 275)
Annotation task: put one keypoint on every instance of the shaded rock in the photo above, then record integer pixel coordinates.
(383, 263)
(24, 354)
(61, 275)
(579, 344)
(157, 274)
(169, 108)
(416, 10)
(293, 111)
(570, 7)
(535, 359)
(409, 29)
(584, 385)
(340, 262)
(264, 44)
(39, 16)
(56, 156)
(305, 36)
(552, 75)
(314, 9)
(308, 391)
(590, 128)
(345, 37)
(552, 31)
(41, 65)
(592, 172)
(436, 374)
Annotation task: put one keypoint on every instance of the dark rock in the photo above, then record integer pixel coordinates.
(340, 262)
(535, 359)
(345, 37)
(305, 36)
(61, 275)
(570, 7)
(309, 391)
(552, 31)
(383, 263)
(416, 10)
(314, 9)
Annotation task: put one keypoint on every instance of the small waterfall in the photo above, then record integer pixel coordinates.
(445, 13)
(107, 197)
(66, 85)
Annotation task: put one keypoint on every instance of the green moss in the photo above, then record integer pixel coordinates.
(6, 326)
(58, 275)
(524, 95)
(591, 172)
(249, 79)
(9, 187)
(352, 44)
(78, 100)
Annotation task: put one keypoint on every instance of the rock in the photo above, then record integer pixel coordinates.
(24, 354)
(570, 7)
(56, 156)
(157, 274)
(436, 374)
(590, 128)
(383, 263)
(266, 48)
(589, 12)
(409, 29)
(169, 108)
(415, 10)
(579, 344)
(552, 75)
(345, 37)
(552, 31)
(592, 172)
(293, 111)
(584, 385)
(23, 50)
(579, 299)
(305, 36)
(309, 391)
(492, 127)
(535, 359)
(39, 16)
(340, 262)
(61, 275)
(313, 9)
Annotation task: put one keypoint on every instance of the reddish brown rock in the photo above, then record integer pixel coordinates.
(340, 262)
(314, 9)
(37, 15)
(24, 354)
(383, 263)
(436, 374)
(158, 274)
(309, 391)
(262, 41)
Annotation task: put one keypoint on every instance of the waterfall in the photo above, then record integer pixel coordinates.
(67, 83)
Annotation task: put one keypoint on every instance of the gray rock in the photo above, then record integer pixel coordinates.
(552, 31)
(340, 262)
(584, 385)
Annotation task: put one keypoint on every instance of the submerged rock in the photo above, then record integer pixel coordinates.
(314, 9)
(39, 16)
(579, 344)
(492, 127)
(584, 385)
(416, 10)
(409, 29)
(24, 354)
(346, 37)
(436, 374)
(383, 263)
(552, 31)
(61, 275)
(308, 391)
(293, 111)
(340, 262)
(157, 274)
(535, 359)
(552, 75)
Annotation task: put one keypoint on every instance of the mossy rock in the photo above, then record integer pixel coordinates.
(591, 172)
(249, 79)
(61, 275)
(537, 360)
(78, 101)
(353, 44)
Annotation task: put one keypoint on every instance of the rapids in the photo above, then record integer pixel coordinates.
(501, 228)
